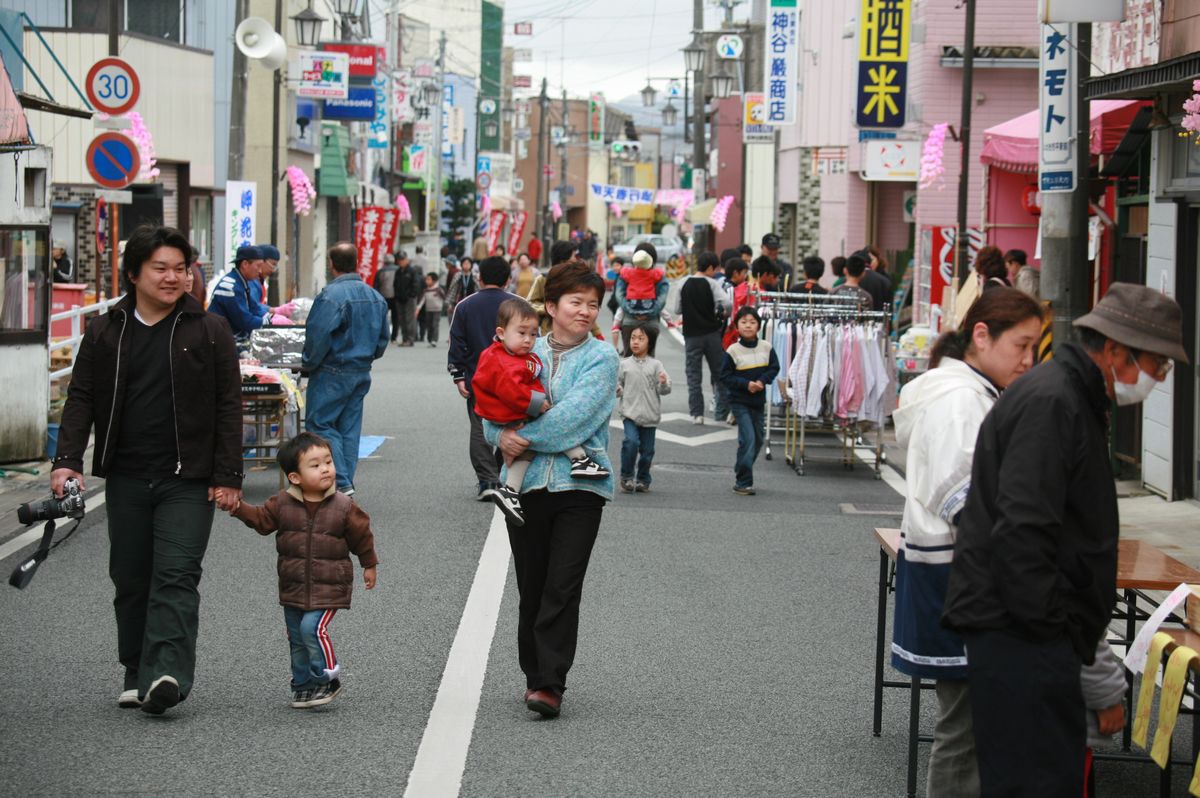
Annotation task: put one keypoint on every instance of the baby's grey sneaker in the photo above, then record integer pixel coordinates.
(586, 468)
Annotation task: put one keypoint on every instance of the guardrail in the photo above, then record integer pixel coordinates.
(76, 315)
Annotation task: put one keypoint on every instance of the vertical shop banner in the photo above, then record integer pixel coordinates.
(782, 62)
(1056, 103)
(402, 110)
(241, 202)
(883, 38)
(381, 126)
(495, 227)
(516, 230)
(755, 130)
(374, 236)
(596, 121)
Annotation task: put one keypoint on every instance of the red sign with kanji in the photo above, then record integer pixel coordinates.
(374, 237)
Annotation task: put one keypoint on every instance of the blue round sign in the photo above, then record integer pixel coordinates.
(113, 160)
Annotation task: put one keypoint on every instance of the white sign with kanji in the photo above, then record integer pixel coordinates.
(1057, 151)
(782, 62)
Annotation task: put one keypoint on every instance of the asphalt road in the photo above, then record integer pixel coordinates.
(726, 642)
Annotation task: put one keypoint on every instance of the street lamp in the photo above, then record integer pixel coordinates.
(648, 95)
(430, 93)
(308, 26)
(668, 114)
(722, 84)
(693, 55)
(346, 8)
(507, 113)
(490, 129)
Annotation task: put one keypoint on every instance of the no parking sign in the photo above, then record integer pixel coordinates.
(113, 160)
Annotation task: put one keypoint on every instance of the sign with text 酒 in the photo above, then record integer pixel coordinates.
(1056, 107)
(883, 38)
(782, 62)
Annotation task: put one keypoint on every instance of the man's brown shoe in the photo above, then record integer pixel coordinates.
(546, 702)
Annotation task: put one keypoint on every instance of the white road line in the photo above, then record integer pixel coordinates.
(35, 534)
(890, 475)
(438, 769)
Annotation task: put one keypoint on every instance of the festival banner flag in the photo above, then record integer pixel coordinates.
(374, 236)
(516, 230)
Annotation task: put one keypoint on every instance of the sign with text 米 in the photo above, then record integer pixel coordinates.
(1056, 107)
(883, 38)
(782, 62)
(321, 75)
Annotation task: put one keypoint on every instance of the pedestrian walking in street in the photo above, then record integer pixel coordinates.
(429, 310)
(814, 269)
(347, 330)
(410, 287)
(641, 383)
(937, 422)
(523, 275)
(233, 299)
(316, 529)
(562, 513)
(471, 332)
(385, 284)
(737, 288)
(750, 366)
(991, 270)
(462, 285)
(1033, 582)
(509, 390)
(856, 267)
(641, 280)
(703, 306)
(875, 280)
(635, 312)
(1021, 275)
(157, 380)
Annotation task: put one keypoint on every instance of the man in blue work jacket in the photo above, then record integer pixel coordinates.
(233, 298)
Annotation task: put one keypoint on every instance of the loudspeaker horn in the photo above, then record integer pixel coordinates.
(258, 40)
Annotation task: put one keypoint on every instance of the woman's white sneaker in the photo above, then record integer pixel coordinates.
(129, 699)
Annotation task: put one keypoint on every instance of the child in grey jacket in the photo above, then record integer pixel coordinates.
(641, 382)
(1103, 684)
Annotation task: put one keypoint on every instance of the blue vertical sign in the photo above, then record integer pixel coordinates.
(1057, 150)
(883, 39)
(781, 62)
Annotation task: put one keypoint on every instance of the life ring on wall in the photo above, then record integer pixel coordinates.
(1031, 200)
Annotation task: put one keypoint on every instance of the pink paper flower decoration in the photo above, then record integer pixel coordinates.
(556, 211)
(303, 192)
(720, 212)
(402, 206)
(145, 144)
(485, 208)
(616, 209)
(932, 156)
(1191, 114)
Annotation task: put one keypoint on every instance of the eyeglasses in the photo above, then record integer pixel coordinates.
(1162, 365)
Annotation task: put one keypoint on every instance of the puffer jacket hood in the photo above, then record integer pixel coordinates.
(950, 375)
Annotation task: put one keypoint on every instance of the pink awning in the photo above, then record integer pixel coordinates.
(1013, 145)
(14, 129)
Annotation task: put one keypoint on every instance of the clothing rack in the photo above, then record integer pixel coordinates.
(796, 427)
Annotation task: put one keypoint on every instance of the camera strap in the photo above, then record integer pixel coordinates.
(23, 573)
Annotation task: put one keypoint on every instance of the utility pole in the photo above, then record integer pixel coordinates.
(434, 189)
(276, 83)
(961, 238)
(114, 210)
(562, 144)
(237, 99)
(543, 108)
(698, 154)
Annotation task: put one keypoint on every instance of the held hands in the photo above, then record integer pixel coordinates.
(227, 499)
(461, 385)
(369, 577)
(755, 387)
(59, 477)
(1112, 719)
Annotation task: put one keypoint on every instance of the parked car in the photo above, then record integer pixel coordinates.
(666, 247)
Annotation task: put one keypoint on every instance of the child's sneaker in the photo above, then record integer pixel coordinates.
(586, 468)
(628, 486)
(641, 487)
(300, 698)
(324, 693)
(509, 502)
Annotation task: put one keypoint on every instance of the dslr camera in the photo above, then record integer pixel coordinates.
(70, 506)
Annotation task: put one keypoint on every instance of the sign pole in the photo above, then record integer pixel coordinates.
(961, 242)
(115, 215)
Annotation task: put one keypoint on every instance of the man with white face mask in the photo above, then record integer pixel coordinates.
(1033, 581)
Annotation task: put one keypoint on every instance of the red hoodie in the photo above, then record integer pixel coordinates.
(507, 387)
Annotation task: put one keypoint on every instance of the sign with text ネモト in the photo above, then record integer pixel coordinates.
(782, 62)
(241, 201)
(1056, 107)
(320, 75)
(374, 237)
(363, 60)
(883, 37)
(359, 105)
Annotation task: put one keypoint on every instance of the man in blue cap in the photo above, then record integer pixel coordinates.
(233, 297)
(268, 267)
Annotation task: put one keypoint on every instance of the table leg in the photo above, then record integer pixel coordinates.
(914, 722)
(1130, 631)
(880, 629)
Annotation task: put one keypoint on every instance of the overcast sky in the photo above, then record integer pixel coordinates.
(604, 45)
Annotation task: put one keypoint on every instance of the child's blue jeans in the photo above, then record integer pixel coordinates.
(639, 441)
(313, 660)
(750, 442)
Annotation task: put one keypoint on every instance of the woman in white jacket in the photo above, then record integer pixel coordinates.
(937, 422)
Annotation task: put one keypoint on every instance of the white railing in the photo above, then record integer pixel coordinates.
(76, 316)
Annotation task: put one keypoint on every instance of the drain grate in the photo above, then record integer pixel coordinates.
(871, 509)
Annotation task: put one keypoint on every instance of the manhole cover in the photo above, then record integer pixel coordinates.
(871, 509)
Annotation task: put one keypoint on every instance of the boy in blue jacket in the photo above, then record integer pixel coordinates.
(749, 367)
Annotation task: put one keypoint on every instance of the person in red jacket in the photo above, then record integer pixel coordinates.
(508, 390)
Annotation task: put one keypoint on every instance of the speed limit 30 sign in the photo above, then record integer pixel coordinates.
(112, 86)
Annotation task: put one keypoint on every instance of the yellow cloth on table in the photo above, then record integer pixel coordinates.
(1174, 679)
(1145, 700)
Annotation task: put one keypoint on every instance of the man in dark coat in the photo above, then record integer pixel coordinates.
(1033, 583)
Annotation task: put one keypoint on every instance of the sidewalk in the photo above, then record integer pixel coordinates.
(20, 487)
(1170, 526)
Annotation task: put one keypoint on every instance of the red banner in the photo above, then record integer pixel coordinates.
(495, 226)
(374, 236)
(516, 231)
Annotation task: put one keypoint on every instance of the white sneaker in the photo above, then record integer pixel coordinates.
(698, 419)
(162, 695)
(509, 502)
(129, 699)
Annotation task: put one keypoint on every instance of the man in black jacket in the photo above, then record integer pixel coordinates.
(158, 379)
(1033, 581)
(704, 307)
(409, 287)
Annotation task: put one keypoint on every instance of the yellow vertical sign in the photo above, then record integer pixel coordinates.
(884, 30)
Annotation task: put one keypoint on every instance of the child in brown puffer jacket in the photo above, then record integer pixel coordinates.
(318, 528)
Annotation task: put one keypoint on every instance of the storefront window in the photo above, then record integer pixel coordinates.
(25, 266)
(201, 232)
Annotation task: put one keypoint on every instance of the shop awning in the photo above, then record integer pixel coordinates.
(1013, 145)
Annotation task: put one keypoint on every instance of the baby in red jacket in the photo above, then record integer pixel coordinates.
(508, 390)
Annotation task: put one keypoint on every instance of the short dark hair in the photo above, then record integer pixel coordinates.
(813, 267)
(646, 246)
(293, 449)
(706, 261)
(572, 277)
(494, 271)
(729, 253)
(434, 275)
(515, 308)
(838, 264)
(745, 249)
(1091, 340)
(735, 264)
(1016, 255)
(762, 264)
(343, 257)
(562, 251)
(651, 331)
(142, 243)
(746, 310)
(856, 265)
(990, 263)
